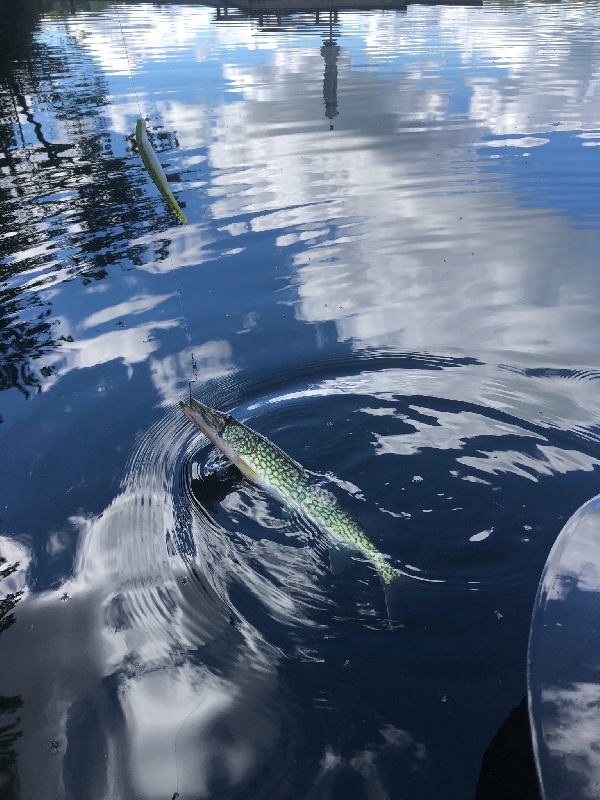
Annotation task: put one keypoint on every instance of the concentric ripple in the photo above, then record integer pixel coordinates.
(207, 617)
(448, 488)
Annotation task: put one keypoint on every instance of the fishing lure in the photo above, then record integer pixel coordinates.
(155, 170)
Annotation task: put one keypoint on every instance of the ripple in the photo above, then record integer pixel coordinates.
(474, 460)
(198, 601)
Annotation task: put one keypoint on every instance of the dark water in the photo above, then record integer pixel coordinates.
(391, 270)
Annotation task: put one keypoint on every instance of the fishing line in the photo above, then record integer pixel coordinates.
(183, 724)
(128, 61)
(173, 269)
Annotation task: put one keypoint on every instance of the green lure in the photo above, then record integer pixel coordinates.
(155, 170)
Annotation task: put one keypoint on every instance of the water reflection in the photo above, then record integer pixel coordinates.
(414, 151)
(67, 205)
(408, 301)
(14, 563)
(201, 644)
(136, 657)
(563, 662)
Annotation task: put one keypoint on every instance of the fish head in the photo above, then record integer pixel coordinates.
(212, 423)
(232, 438)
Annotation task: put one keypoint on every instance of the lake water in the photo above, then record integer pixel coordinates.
(390, 269)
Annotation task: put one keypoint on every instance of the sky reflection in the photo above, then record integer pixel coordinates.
(391, 255)
(118, 698)
(414, 222)
(563, 661)
(471, 264)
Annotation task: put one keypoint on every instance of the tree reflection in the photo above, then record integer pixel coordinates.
(68, 199)
(9, 706)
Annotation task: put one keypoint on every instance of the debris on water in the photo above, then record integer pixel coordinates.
(65, 597)
(498, 614)
(417, 479)
(54, 746)
(479, 537)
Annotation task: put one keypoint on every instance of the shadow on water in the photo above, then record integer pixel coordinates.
(508, 765)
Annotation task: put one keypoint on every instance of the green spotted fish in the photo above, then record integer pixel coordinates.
(265, 465)
(155, 170)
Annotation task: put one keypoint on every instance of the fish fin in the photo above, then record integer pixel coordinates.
(246, 470)
(390, 578)
(340, 556)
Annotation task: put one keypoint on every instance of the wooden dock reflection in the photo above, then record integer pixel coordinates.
(255, 8)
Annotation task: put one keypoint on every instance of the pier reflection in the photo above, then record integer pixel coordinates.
(292, 14)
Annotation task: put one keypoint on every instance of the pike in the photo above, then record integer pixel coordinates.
(267, 466)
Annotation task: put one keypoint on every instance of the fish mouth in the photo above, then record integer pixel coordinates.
(210, 422)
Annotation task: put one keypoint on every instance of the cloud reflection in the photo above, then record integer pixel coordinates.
(450, 431)
(470, 265)
(573, 740)
(129, 345)
(114, 696)
(136, 305)
(170, 375)
(573, 563)
(398, 230)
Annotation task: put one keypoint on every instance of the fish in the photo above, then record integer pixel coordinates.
(275, 472)
(155, 170)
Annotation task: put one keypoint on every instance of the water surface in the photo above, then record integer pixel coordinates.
(390, 270)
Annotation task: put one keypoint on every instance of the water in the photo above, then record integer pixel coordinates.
(564, 642)
(390, 270)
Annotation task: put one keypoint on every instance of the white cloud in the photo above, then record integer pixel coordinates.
(570, 732)
(136, 305)
(131, 345)
(170, 375)
(573, 562)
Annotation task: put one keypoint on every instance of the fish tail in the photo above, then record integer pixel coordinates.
(389, 576)
(391, 597)
(393, 574)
